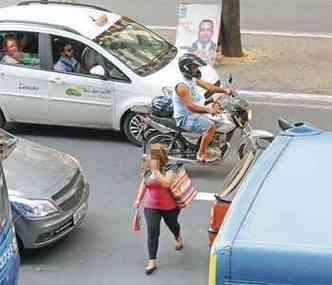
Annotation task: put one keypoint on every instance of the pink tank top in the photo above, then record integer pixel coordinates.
(157, 196)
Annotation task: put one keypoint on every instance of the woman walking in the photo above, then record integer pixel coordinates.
(158, 202)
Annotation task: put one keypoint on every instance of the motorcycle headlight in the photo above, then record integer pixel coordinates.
(249, 115)
(33, 208)
(167, 91)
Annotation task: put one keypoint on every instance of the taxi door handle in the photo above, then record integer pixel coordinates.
(57, 81)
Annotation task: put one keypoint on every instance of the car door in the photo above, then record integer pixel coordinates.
(24, 88)
(76, 97)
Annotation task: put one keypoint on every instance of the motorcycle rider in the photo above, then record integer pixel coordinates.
(188, 107)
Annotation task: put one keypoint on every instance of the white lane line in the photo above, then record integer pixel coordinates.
(203, 196)
(287, 96)
(264, 33)
(306, 106)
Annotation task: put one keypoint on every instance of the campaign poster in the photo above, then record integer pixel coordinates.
(198, 29)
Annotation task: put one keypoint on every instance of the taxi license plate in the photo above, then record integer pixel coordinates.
(80, 212)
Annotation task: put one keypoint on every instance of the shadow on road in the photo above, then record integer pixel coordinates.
(65, 132)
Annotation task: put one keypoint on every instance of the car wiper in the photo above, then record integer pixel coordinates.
(145, 66)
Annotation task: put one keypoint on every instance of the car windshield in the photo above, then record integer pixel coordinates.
(140, 49)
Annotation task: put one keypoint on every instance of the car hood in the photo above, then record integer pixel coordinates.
(37, 172)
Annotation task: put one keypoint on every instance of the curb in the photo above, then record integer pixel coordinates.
(287, 34)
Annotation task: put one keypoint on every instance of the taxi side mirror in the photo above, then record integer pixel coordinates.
(99, 71)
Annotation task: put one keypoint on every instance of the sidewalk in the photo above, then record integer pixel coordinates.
(280, 64)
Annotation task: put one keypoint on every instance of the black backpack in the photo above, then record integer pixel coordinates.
(162, 106)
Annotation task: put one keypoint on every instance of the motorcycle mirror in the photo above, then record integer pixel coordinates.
(284, 124)
(230, 78)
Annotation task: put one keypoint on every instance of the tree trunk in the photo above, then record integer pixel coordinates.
(230, 34)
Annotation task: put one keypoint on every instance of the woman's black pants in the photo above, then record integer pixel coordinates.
(153, 218)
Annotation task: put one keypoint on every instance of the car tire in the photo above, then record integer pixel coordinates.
(133, 127)
(20, 245)
(166, 139)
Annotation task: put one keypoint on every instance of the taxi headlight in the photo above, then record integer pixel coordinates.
(33, 208)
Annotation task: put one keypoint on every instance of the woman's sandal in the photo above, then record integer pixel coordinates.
(151, 267)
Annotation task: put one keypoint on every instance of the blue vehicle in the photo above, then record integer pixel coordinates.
(278, 229)
(9, 253)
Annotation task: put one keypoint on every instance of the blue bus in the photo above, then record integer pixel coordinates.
(278, 229)
(9, 252)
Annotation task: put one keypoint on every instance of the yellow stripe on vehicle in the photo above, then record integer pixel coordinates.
(213, 265)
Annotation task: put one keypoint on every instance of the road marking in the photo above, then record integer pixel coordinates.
(264, 33)
(203, 196)
(287, 96)
(306, 106)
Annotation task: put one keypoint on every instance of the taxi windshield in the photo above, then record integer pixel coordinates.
(140, 49)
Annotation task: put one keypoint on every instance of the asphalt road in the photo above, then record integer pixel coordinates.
(104, 250)
(296, 15)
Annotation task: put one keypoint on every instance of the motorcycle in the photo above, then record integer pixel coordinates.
(182, 146)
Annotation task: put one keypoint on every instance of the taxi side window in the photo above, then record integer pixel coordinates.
(67, 55)
(19, 48)
(71, 56)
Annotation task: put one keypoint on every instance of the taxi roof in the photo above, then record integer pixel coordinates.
(81, 19)
(278, 229)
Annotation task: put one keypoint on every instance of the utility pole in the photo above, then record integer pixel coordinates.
(230, 34)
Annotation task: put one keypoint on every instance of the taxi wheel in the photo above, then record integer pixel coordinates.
(133, 127)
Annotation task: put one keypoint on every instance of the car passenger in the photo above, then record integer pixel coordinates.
(67, 62)
(12, 56)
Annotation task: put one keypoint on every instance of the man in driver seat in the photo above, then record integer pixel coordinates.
(188, 109)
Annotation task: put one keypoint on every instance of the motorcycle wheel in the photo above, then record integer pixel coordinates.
(176, 149)
(261, 144)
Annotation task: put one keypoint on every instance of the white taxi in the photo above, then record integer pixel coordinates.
(81, 65)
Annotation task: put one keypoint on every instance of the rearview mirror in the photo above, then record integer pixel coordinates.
(230, 78)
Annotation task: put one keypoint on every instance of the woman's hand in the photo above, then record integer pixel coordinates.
(136, 204)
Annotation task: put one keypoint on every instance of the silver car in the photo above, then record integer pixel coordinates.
(47, 191)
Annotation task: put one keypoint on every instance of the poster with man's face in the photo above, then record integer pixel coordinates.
(198, 29)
